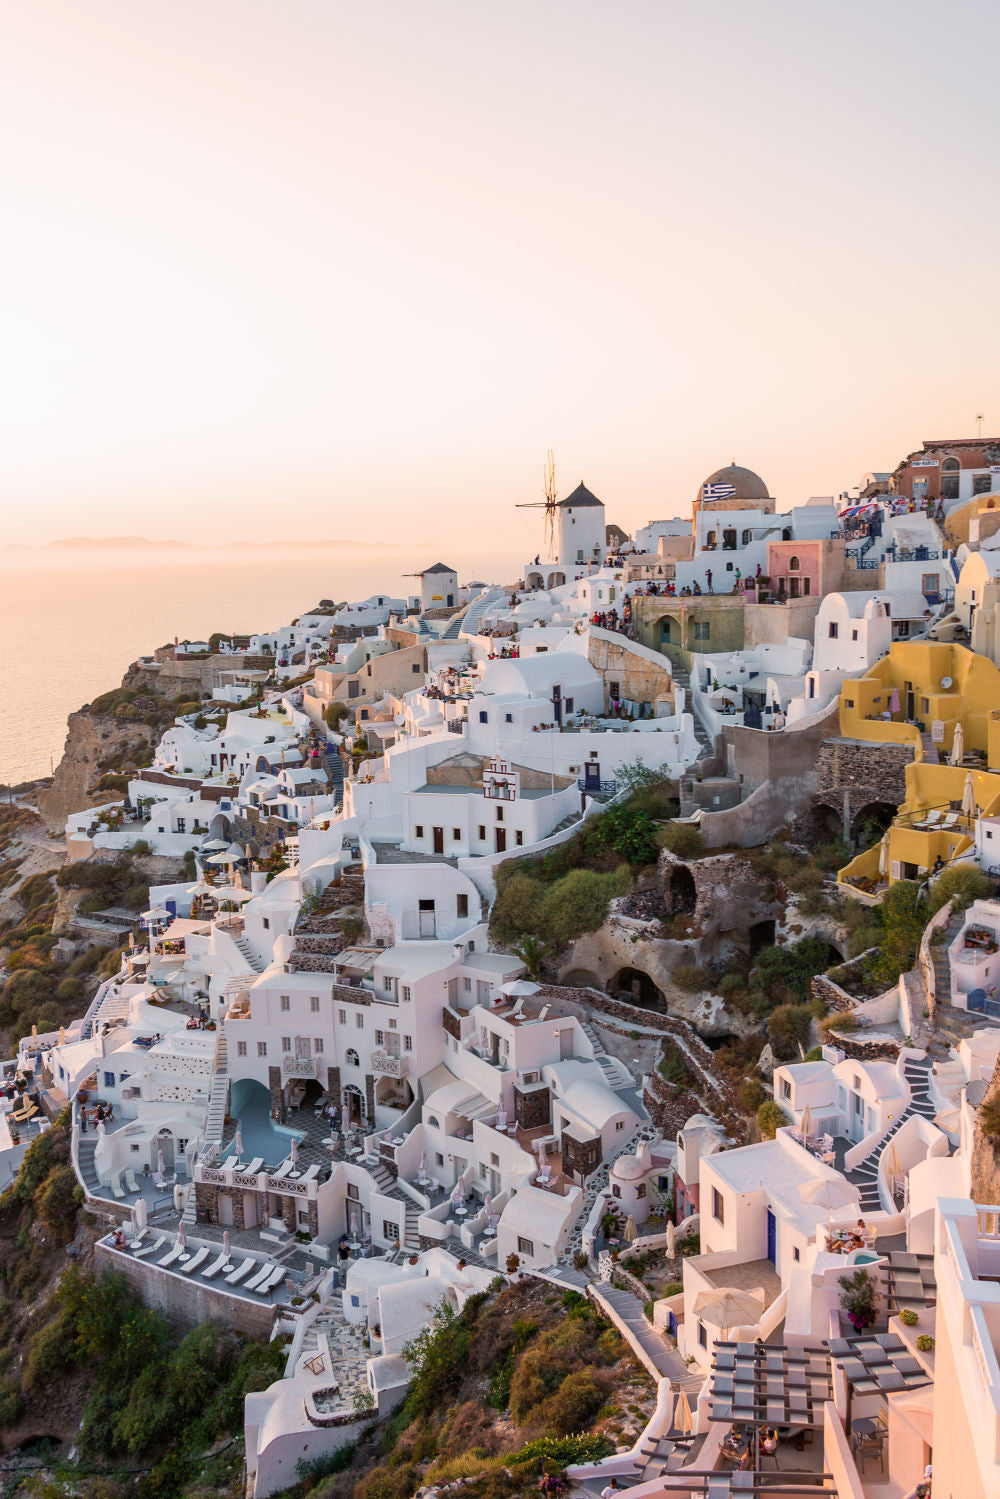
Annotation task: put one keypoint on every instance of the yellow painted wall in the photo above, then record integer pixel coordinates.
(973, 693)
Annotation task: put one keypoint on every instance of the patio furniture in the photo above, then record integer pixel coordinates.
(257, 1281)
(116, 1184)
(254, 1166)
(311, 1174)
(149, 1249)
(275, 1278)
(136, 1243)
(216, 1265)
(196, 1261)
(130, 1180)
(171, 1257)
(240, 1273)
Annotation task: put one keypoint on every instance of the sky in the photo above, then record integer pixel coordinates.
(348, 269)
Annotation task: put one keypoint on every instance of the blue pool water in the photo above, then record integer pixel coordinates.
(251, 1105)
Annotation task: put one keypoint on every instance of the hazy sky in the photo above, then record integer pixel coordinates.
(319, 268)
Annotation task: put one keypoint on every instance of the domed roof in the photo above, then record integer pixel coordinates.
(746, 484)
(628, 1168)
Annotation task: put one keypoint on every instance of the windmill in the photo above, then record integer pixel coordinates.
(548, 505)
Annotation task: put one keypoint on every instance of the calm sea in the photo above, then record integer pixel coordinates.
(72, 624)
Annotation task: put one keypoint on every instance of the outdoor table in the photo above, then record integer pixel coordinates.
(461, 1212)
(865, 1426)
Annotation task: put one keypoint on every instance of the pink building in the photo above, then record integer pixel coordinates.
(805, 569)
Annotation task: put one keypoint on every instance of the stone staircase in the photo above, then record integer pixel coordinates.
(86, 1150)
(249, 955)
(865, 1175)
(218, 1103)
(613, 1072)
(108, 1005)
(682, 678)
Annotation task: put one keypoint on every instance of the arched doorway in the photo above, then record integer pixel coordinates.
(869, 824)
(354, 1104)
(637, 988)
(392, 1093)
(534, 581)
(220, 826)
(680, 892)
(556, 580)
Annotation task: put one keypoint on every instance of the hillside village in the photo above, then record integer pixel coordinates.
(616, 948)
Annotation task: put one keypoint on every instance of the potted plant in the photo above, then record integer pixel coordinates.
(925, 1343)
(908, 1317)
(414, 1259)
(857, 1299)
(513, 1265)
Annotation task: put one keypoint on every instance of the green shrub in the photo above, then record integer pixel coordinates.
(925, 1343)
(788, 1028)
(989, 1116)
(751, 1094)
(630, 832)
(58, 1199)
(575, 1403)
(770, 1118)
(908, 1317)
(693, 977)
(962, 883)
(673, 1066)
(683, 839)
(673, 1288)
(11, 1402)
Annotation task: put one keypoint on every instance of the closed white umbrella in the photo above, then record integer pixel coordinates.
(683, 1419)
(160, 1164)
(957, 745)
(883, 856)
(141, 1214)
(829, 1192)
(225, 1243)
(631, 1232)
(671, 1235)
(488, 1205)
(423, 1164)
(238, 1143)
(728, 1307)
(969, 797)
(293, 1152)
(893, 1165)
(502, 1119)
(806, 1122)
(182, 1235)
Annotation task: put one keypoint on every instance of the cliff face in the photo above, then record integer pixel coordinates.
(985, 1185)
(94, 744)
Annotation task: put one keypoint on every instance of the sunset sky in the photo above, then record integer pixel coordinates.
(335, 269)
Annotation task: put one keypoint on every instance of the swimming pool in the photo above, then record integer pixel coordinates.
(250, 1106)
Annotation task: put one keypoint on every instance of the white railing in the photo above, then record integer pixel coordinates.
(293, 1066)
(389, 1066)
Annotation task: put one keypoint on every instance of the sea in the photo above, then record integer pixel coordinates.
(72, 621)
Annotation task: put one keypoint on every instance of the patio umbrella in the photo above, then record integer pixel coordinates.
(957, 745)
(806, 1122)
(949, 1120)
(225, 1242)
(520, 988)
(100, 1126)
(894, 700)
(540, 1147)
(214, 843)
(829, 1192)
(671, 1235)
(488, 1205)
(728, 1307)
(182, 1235)
(883, 856)
(160, 1164)
(422, 1168)
(293, 1152)
(458, 1193)
(893, 1165)
(631, 1232)
(141, 1213)
(969, 797)
(502, 1119)
(683, 1420)
(238, 1143)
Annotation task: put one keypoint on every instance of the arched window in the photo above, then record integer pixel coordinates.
(793, 564)
(351, 1058)
(710, 539)
(434, 1123)
(747, 538)
(949, 478)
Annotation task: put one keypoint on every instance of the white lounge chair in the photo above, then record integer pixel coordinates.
(149, 1249)
(234, 1278)
(130, 1181)
(311, 1174)
(282, 1170)
(196, 1261)
(172, 1257)
(253, 1167)
(258, 1280)
(275, 1278)
(213, 1269)
(116, 1184)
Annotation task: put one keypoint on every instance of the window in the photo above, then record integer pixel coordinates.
(286, 1043)
(508, 718)
(462, 905)
(482, 832)
(407, 1043)
(848, 702)
(380, 1038)
(786, 1088)
(351, 1057)
(314, 1004)
(702, 1336)
(806, 587)
(640, 1190)
(929, 583)
(518, 837)
(616, 1190)
(353, 1192)
(494, 1159)
(619, 1124)
(484, 717)
(795, 1251)
(438, 1159)
(342, 1016)
(241, 1048)
(359, 1022)
(949, 478)
(854, 634)
(499, 814)
(387, 984)
(418, 830)
(747, 537)
(267, 924)
(793, 564)
(467, 985)
(109, 1079)
(833, 629)
(718, 1206)
(415, 667)
(390, 1230)
(702, 629)
(456, 835)
(181, 824)
(614, 689)
(262, 1048)
(406, 994)
(525, 1246)
(285, 1002)
(317, 1044)
(568, 705)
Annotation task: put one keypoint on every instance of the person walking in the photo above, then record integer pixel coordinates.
(708, 580)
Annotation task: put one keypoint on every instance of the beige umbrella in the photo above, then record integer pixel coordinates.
(683, 1420)
(949, 1120)
(969, 797)
(806, 1122)
(829, 1192)
(893, 1165)
(671, 1235)
(957, 745)
(631, 1232)
(728, 1307)
(883, 856)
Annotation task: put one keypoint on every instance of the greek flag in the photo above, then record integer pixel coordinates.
(718, 491)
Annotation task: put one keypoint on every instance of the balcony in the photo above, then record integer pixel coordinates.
(293, 1066)
(388, 1066)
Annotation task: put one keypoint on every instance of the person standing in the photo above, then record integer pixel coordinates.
(708, 580)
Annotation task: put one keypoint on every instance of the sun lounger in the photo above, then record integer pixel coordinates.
(130, 1181)
(282, 1170)
(116, 1184)
(196, 1261)
(22, 1115)
(257, 1280)
(213, 1269)
(173, 1256)
(311, 1174)
(234, 1278)
(275, 1278)
(149, 1249)
(254, 1166)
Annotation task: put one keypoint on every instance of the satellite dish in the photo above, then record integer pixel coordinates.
(946, 683)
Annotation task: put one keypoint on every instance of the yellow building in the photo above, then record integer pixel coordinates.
(924, 694)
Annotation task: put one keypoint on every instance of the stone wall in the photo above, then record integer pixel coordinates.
(851, 776)
(186, 1303)
(832, 995)
(669, 1109)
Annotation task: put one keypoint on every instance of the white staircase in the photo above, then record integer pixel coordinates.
(218, 1101)
(249, 955)
(107, 1005)
(613, 1072)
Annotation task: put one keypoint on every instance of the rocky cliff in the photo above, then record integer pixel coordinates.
(985, 1185)
(95, 745)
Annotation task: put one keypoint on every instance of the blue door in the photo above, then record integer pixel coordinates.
(771, 1236)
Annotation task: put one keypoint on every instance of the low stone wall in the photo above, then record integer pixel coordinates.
(669, 1109)
(832, 995)
(183, 1302)
(859, 1050)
